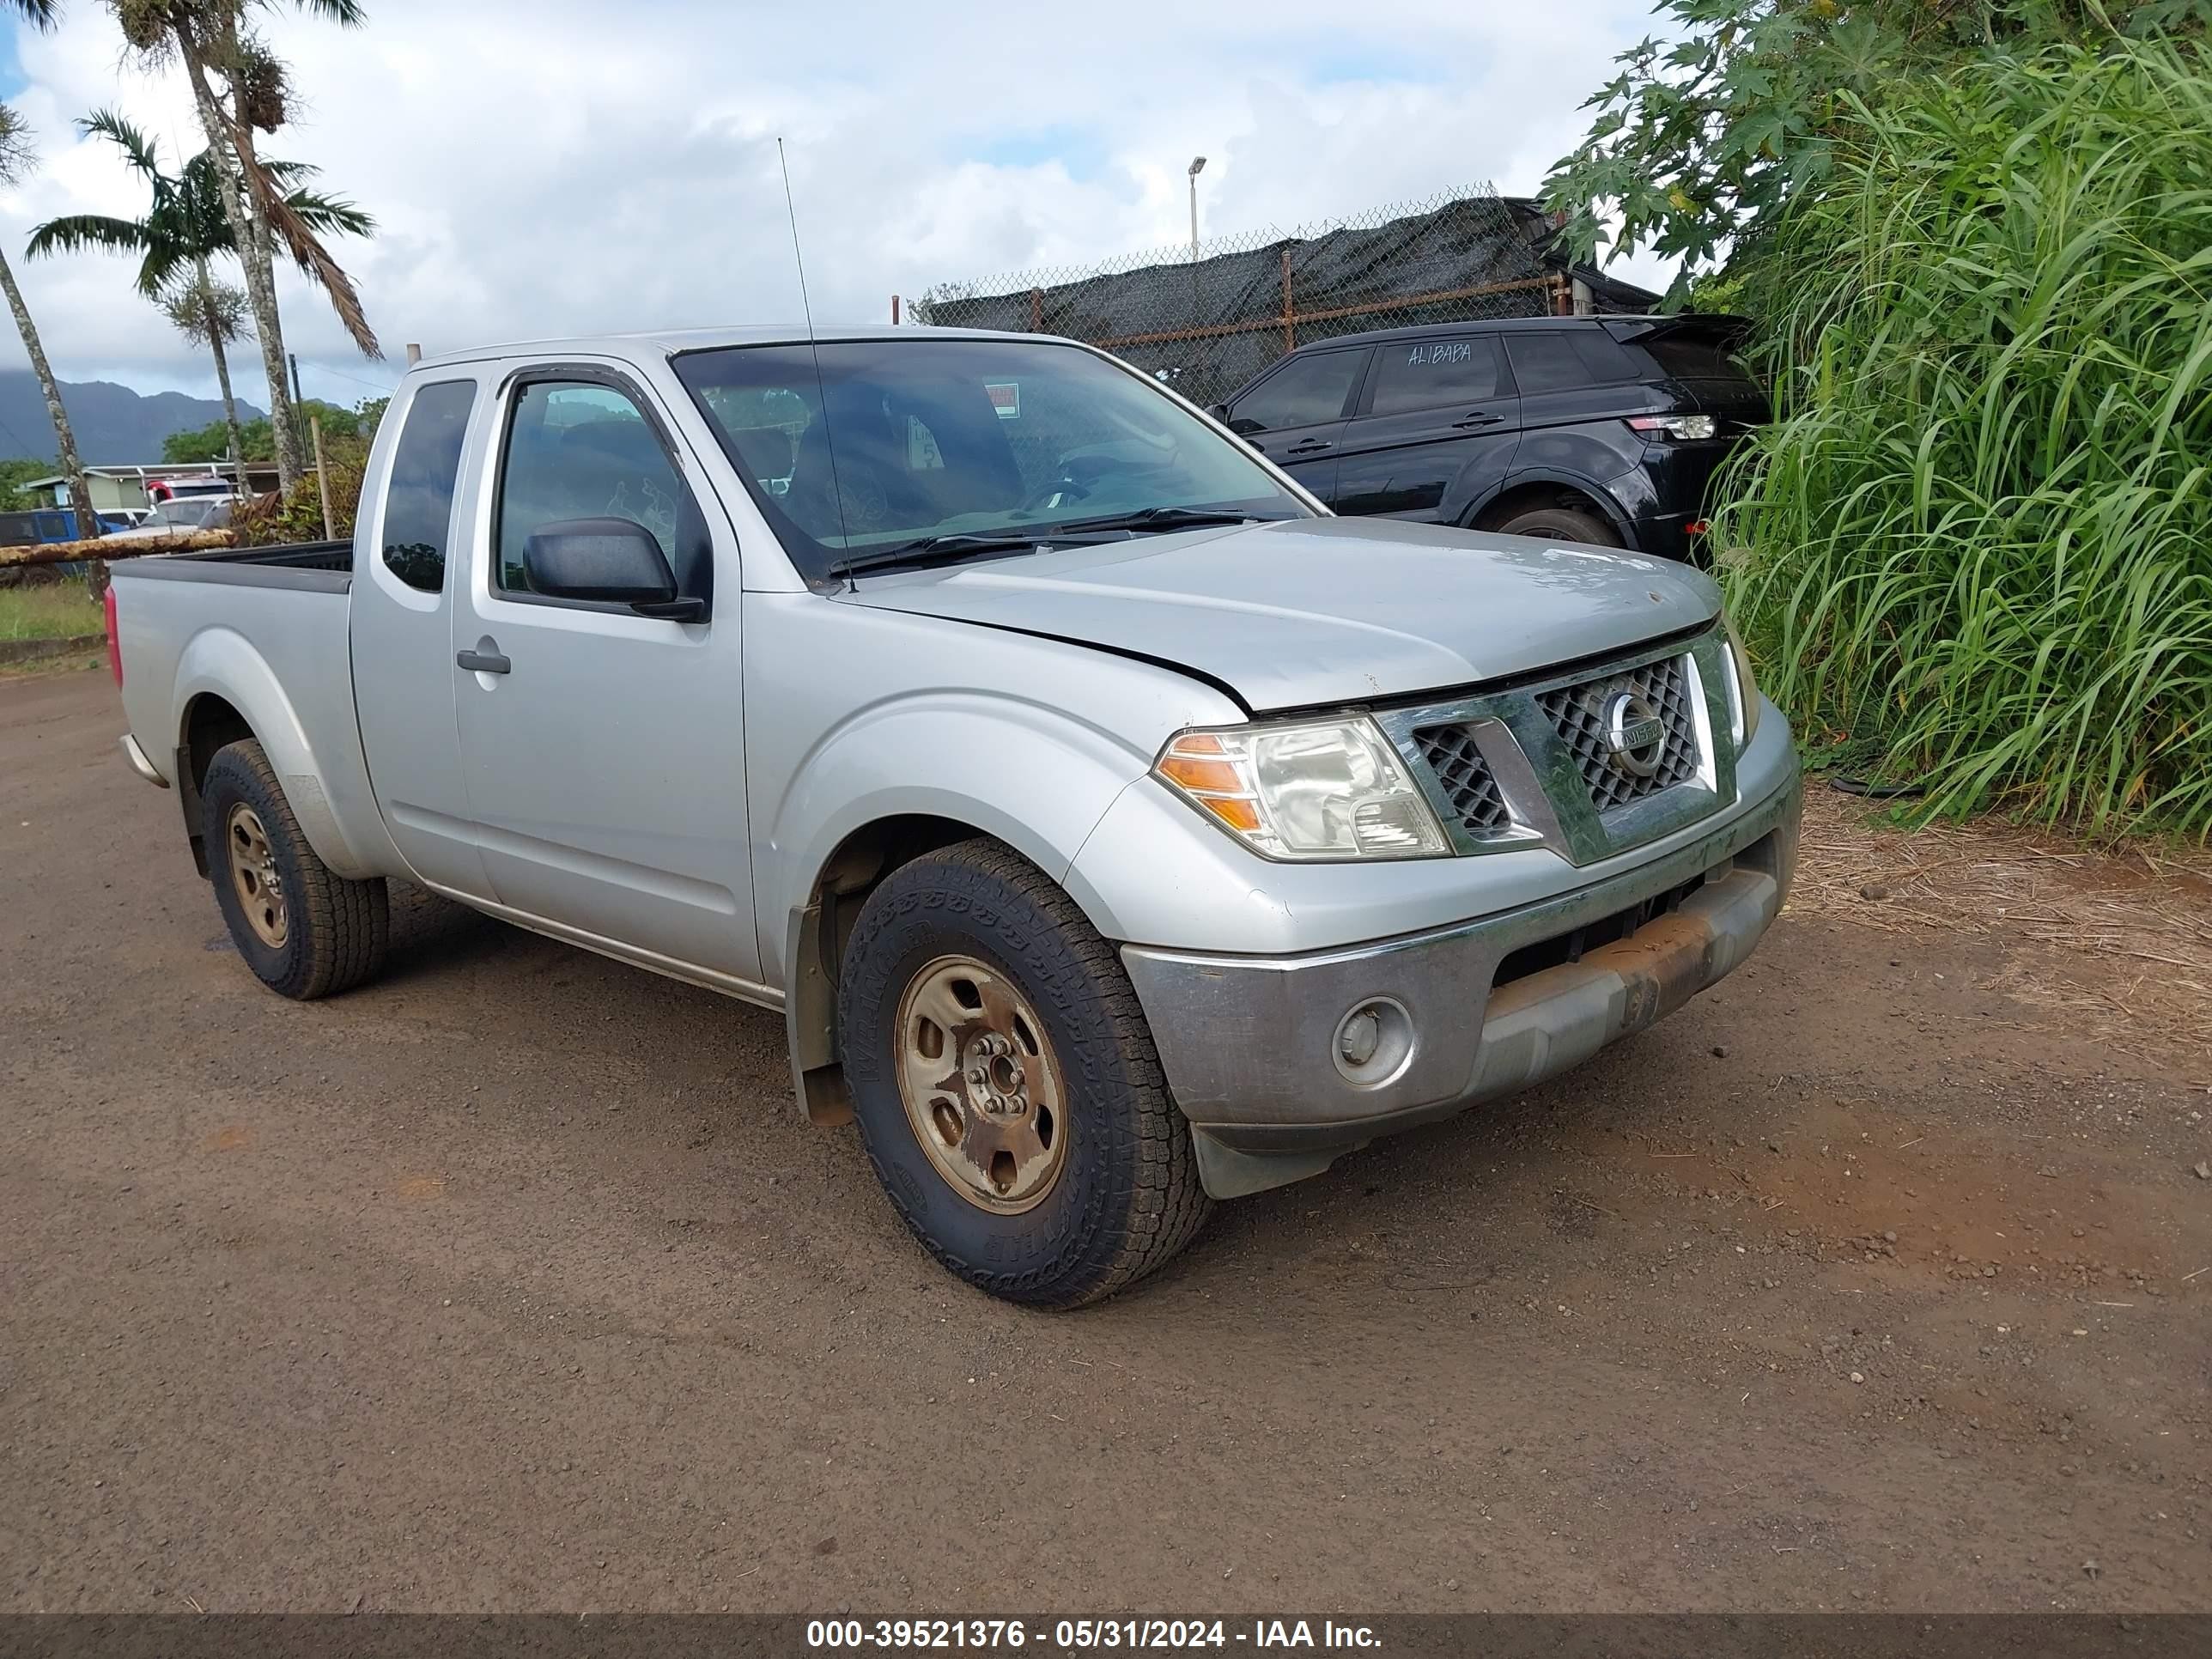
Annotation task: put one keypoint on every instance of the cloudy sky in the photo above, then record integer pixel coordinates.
(546, 166)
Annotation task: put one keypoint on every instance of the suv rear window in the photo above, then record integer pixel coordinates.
(1693, 357)
(1549, 361)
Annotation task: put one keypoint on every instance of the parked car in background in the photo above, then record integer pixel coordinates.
(177, 490)
(1114, 828)
(1602, 430)
(181, 516)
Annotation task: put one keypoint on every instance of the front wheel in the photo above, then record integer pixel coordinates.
(1005, 1084)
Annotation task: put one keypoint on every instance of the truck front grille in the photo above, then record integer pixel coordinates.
(1578, 713)
(1450, 753)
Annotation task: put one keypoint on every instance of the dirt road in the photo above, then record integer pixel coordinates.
(516, 1281)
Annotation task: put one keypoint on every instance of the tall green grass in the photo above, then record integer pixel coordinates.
(1977, 541)
(50, 611)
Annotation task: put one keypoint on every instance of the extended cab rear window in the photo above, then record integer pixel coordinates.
(418, 505)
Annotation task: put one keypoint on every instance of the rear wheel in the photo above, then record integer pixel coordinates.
(1005, 1084)
(1561, 524)
(304, 930)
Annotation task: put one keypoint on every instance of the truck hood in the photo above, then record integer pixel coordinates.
(1322, 611)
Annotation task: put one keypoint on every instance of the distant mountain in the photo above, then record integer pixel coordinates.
(115, 426)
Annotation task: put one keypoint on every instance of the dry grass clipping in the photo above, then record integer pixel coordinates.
(2123, 933)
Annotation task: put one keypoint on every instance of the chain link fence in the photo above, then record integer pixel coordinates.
(1209, 324)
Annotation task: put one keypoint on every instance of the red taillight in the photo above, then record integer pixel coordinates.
(1696, 527)
(114, 645)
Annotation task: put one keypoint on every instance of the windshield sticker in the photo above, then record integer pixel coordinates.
(1005, 398)
(1444, 351)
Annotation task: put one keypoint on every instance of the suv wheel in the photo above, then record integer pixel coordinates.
(1561, 524)
(1005, 1085)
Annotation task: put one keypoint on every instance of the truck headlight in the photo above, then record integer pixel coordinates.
(1743, 691)
(1317, 789)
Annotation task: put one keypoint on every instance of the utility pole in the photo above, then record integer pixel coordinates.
(298, 419)
(322, 474)
(1197, 165)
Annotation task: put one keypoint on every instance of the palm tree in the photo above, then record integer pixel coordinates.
(183, 228)
(17, 158)
(209, 39)
(212, 314)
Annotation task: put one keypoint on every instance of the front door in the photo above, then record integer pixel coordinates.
(1295, 417)
(1435, 430)
(604, 750)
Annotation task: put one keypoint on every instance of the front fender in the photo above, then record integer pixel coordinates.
(1033, 776)
(221, 662)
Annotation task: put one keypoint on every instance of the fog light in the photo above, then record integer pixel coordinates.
(1361, 1036)
(1373, 1042)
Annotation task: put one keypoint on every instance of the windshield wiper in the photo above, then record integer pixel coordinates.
(1173, 518)
(959, 545)
(1076, 532)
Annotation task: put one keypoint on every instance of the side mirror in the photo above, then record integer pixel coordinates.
(1219, 412)
(610, 561)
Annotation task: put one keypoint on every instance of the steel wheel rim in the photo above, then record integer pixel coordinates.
(982, 1090)
(254, 876)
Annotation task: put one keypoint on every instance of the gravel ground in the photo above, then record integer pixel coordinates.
(1873, 1280)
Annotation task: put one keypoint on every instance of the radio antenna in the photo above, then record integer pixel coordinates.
(814, 346)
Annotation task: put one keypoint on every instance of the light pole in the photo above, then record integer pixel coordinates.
(1197, 165)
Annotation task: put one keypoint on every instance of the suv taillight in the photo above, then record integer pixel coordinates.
(114, 645)
(1676, 425)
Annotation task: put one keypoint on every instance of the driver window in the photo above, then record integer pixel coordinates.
(578, 450)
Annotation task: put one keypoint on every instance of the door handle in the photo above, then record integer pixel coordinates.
(484, 659)
(1479, 419)
(1311, 446)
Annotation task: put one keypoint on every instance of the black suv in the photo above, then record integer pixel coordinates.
(1595, 429)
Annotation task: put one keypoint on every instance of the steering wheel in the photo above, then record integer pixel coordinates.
(1043, 494)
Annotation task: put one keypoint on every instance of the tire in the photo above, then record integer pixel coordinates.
(1561, 524)
(317, 933)
(1123, 1196)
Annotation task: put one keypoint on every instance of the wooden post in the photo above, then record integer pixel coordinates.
(1289, 329)
(322, 475)
(1036, 311)
(894, 311)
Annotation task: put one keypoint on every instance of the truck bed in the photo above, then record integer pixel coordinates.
(258, 636)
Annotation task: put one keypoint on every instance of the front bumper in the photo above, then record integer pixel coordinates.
(1251, 1044)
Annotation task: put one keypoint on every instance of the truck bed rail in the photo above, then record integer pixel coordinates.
(326, 566)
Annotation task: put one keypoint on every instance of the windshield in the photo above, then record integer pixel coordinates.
(190, 514)
(929, 438)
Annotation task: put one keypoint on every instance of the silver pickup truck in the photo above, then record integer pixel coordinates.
(1115, 829)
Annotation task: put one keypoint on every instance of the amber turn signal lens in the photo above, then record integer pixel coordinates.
(1197, 764)
(1238, 814)
(1196, 773)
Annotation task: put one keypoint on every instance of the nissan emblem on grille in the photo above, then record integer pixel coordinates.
(1635, 736)
(1607, 724)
